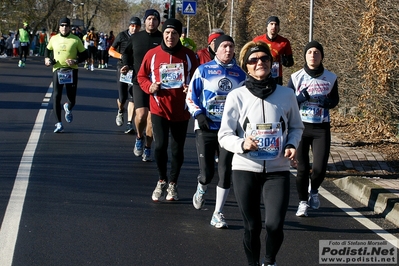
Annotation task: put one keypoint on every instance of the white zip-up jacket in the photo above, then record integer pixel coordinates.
(243, 107)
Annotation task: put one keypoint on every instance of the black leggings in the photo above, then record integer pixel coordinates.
(317, 137)
(23, 51)
(249, 188)
(71, 90)
(207, 144)
(178, 131)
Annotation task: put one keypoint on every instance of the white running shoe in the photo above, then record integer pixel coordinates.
(68, 113)
(138, 147)
(172, 192)
(58, 128)
(159, 192)
(218, 220)
(198, 198)
(119, 118)
(302, 209)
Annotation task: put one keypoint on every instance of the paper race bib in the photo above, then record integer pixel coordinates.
(172, 75)
(269, 137)
(126, 78)
(215, 107)
(65, 76)
(311, 112)
(275, 69)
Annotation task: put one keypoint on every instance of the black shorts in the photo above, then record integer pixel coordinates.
(141, 99)
(92, 50)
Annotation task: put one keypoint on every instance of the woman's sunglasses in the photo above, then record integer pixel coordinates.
(254, 60)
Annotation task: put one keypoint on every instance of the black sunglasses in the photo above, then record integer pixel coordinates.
(64, 25)
(254, 60)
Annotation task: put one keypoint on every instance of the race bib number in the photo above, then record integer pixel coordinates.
(269, 137)
(91, 43)
(65, 76)
(311, 112)
(127, 78)
(215, 107)
(172, 75)
(24, 44)
(275, 69)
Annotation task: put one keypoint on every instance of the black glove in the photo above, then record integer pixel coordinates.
(202, 121)
(325, 102)
(303, 96)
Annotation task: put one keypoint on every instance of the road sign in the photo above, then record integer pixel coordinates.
(189, 8)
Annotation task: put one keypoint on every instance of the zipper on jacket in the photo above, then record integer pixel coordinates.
(264, 121)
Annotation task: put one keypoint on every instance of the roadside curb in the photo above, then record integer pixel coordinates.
(368, 191)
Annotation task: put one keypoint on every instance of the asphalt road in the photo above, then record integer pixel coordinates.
(88, 200)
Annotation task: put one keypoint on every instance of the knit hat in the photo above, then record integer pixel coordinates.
(273, 19)
(213, 36)
(135, 21)
(174, 24)
(316, 45)
(222, 38)
(152, 12)
(65, 21)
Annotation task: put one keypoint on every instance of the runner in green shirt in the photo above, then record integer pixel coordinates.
(64, 52)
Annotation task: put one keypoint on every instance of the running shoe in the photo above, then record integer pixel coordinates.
(129, 128)
(147, 155)
(92, 68)
(302, 209)
(138, 147)
(218, 220)
(198, 198)
(20, 63)
(159, 191)
(314, 201)
(172, 192)
(68, 113)
(58, 128)
(119, 118)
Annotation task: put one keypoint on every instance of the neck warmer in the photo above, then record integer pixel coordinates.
(261, 88)
(65, 35)
(173, 49)
(228, 65)
(314, 73)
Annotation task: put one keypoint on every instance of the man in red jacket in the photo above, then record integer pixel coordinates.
(279, 46)
(164, 74)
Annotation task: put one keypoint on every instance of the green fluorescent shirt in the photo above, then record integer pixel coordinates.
(65, 48)
(23, 35)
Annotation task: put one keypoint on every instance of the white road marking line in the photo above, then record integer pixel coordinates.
(359, 217)
(12, 218)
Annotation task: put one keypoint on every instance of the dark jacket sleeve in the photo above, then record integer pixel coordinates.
(288, 60)
(127, 56)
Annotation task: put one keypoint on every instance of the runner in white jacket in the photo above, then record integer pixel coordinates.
(262, 127)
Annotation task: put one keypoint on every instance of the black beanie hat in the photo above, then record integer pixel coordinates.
(135, 21)
(274, 19)
(152, 12)
(316, 45)
(174, 24)
(222, 38)
(65, 21)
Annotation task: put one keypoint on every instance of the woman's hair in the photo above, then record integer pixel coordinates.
(246, 52)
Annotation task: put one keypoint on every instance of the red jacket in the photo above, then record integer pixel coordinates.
(168, 103)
